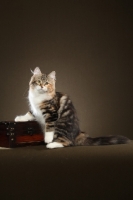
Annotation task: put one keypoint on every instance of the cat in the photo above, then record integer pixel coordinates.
(56, 114)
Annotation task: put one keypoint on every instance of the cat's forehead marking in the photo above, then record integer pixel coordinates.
(42, 77)
(38, 76)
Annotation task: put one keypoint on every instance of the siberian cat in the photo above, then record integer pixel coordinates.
(56, 114)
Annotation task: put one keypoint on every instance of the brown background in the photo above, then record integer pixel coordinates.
(88, 44)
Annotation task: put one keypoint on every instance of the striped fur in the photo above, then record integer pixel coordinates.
(57, 116)
(83, 139)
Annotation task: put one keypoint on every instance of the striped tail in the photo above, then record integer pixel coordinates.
(84, 140)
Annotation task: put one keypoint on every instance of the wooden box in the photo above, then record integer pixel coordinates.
(15, 134)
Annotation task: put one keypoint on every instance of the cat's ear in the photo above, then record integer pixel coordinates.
(52, 75)
(36, 71)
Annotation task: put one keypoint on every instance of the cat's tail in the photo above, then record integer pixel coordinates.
(84, 140)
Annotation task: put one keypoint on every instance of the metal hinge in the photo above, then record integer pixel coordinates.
(11, 132)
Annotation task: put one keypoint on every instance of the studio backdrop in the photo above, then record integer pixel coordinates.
(88, 44)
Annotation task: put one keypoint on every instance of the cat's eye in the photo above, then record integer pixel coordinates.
(38, 82)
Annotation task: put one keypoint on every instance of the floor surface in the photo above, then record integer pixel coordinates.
(92, 172)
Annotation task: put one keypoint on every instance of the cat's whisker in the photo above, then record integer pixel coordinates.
(26, 91)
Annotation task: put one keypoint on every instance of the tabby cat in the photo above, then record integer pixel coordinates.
(57, 116)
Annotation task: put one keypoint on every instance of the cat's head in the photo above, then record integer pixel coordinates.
(42, 83)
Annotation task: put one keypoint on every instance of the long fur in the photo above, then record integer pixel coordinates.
(57, 116)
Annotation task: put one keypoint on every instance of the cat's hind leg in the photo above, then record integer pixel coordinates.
(27, 117)
(54, 145)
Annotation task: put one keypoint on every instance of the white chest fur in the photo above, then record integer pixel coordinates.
(35, 100)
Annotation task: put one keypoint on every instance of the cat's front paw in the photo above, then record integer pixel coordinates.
(20, 119)
(24, 118)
